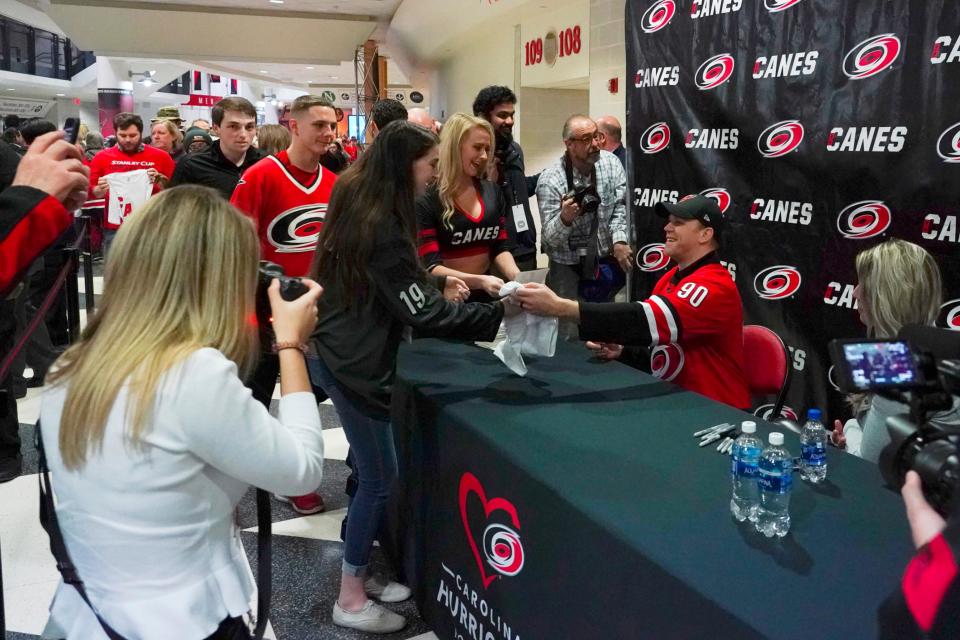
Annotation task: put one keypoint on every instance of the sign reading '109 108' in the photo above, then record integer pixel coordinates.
(555, 49)
(560, 43)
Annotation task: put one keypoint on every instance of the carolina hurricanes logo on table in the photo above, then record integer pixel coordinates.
(721, 196)
(502, 549)
(658, 16)
(865, 219)
(775, 6)
(781, 138)
(948, 144)
(656, 138)
(871, 56)
(714, 72)
(652, 258)
(296, 229)
(950, 315)
(765, 412)
(777, 283)
(666, 361)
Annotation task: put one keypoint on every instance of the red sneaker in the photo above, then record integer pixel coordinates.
(307, 505)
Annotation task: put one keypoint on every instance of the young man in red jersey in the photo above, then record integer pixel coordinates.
(693, 321)
(129, 154)
(286, 195)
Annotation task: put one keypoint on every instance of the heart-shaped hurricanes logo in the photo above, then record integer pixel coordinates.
(502, 550)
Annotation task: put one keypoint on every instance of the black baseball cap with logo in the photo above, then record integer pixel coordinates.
(696, 207)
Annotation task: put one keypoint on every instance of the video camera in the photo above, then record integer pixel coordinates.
(921, 368)
(290, 289)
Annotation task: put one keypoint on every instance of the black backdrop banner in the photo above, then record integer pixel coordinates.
(822, 128)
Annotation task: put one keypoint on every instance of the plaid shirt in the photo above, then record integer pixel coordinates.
(559, 241)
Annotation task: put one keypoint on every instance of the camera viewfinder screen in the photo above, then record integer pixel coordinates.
(880, 364)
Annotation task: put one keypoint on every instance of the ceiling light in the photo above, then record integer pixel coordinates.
(60, 95)
(310, 68)
(144, 78)
(262, 71)
(334, 77)
(11, 89)
(276, 1)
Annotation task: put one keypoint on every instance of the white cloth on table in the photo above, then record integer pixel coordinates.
(526, 333)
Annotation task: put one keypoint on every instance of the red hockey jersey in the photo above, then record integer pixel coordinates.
(287, 206)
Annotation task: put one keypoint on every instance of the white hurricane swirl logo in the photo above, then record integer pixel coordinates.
(871, 56)
(656, 138)
(765, 411)
(658, 16)
(296, 229)
(502, 549)
(715, 71)
(652, 258)
(720, 196)
(865, 219)
(948, 145)
(666, 361)
(777, 283)
(780, 139)
(775, 6)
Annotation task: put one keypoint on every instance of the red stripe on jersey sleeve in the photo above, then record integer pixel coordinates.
(927, 579)
(427, 233)
(427, 248)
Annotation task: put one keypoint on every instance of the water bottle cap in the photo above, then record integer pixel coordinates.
(748, 426)
(814, 414)
(776, 438)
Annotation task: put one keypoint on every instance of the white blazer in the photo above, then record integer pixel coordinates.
(151, 529)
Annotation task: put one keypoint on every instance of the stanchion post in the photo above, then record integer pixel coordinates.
(88, 267)
(72, 292)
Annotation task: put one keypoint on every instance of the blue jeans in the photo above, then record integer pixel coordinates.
(374, 462)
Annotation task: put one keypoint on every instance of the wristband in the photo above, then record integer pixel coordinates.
(280, 346)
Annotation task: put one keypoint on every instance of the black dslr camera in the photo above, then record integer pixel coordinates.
(921, 369)
(586, 197)
(290, 289)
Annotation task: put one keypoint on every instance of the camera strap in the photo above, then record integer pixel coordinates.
(50, 524)
(589, 264)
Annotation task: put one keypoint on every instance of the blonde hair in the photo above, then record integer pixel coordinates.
(900, 284)
(172, 129)
(181, 276)
(455, 131)
(273, 138)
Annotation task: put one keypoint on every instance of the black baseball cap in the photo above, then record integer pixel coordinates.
(696, 207)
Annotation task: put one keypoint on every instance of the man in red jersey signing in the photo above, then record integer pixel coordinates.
(693, 321)
(286, 195)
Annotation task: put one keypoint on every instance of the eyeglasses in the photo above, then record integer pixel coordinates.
(587, 139)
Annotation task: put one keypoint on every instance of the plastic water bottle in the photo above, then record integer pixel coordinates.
(776, 481)
(813, 448)
(744, 471)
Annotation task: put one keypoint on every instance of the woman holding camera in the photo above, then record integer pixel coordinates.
(898, 283)
(462, 220)
(375, 289)
(151, 436)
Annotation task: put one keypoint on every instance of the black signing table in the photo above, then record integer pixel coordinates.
(583, 483)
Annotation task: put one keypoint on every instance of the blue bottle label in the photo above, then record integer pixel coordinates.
(814, 453)
(743, 463)
(776, 477)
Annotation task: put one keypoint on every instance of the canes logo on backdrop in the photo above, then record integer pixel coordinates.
(707, 8)
(502, 551)
(950, 315)
(945, 49)
(864, 219)
(714, 72)
(666, 361)
(650, 197)
(777, 283)
(948, 144)
(840, 295)
(296, 229)
(657, 77)
(656, 138)
(786, 65)
(720, 196)
(781, 138)
(658, 16)
(652, 258)
(776, 6)
(765, 412)
(712, 139)
(871, 56)
(786, 211)
(867, 139)
(942, 228)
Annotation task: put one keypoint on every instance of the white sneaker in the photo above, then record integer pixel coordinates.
(372, 618)
(386, 590)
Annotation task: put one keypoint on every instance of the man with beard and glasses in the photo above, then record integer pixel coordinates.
(128, 156)
(497, 105)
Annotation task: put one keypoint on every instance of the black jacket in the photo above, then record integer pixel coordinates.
(211, 169)
(359, 344)
(514, 183)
